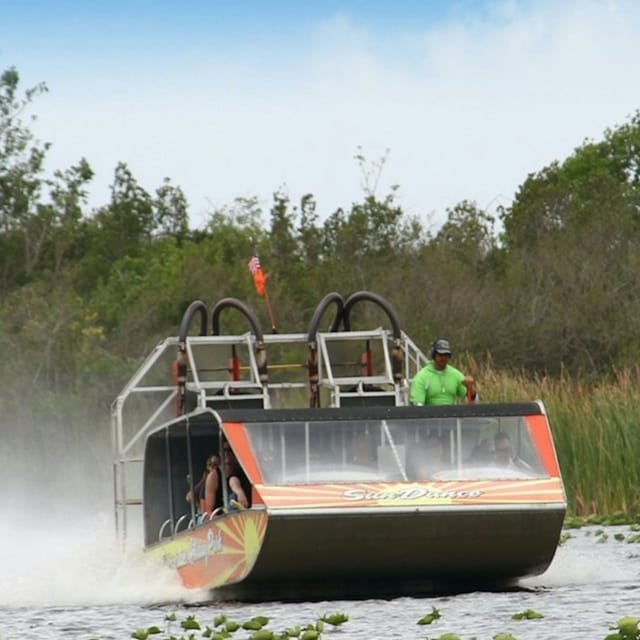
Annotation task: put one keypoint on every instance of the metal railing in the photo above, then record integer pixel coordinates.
(151, 396)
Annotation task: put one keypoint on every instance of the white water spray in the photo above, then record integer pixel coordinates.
(57, 535)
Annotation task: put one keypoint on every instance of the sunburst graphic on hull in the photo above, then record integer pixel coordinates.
(222, 551)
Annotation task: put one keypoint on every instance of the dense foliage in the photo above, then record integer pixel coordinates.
(84, 294)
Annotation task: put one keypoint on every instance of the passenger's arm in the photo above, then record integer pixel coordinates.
(210, 490)
(236, 486)
(196, 489)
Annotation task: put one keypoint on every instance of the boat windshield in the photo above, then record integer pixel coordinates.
(320, 452)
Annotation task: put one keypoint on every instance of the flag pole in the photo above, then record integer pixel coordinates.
(269, 310)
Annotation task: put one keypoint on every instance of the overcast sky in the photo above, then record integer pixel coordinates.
(241, 98)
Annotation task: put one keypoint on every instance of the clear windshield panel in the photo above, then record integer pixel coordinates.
(318, 452)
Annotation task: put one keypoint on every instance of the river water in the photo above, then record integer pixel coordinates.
(65, 579)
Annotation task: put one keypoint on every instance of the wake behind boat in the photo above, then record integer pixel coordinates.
(353, 492)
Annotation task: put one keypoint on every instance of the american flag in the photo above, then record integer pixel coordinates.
(254, 265)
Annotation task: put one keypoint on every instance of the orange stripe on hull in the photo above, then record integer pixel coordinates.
(479, 492)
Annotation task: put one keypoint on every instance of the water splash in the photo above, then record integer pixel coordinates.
(75, 562)
(586, 558)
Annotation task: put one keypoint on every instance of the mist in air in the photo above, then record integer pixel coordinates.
(57, 533)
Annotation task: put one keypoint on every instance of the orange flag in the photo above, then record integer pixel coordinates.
(259, 277)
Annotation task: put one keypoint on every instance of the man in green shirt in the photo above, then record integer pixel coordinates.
(438, 382)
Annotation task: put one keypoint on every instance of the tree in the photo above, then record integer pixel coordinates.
(128, 221)
(283, 249)
(121, 228)
(171, 211)
(21, 165)
(68, 193)
(40, 218)
(467, 234)
(572, 238)
(598, 179)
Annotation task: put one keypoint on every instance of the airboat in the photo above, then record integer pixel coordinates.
(354, 493)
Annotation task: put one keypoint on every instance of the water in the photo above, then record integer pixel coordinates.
(64, 579)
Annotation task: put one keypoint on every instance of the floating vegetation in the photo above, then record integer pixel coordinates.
(430, 617)
(255, 628)
(224, 628)
(190, 623)
(625, 629)
(564, 536)
(335, 619)
(527, 614)
(143, 634)
(255, 624)
(630, 537)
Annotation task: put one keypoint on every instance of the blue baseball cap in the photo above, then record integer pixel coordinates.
(442, 346)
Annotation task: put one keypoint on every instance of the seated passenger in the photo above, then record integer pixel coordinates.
(483, 453)
(426, 458)
(362, 450)
(212, 490)
(238, 486)
(504, 454)
(213, 461)
(197, 491)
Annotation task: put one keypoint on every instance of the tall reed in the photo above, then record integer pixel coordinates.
(596, 428)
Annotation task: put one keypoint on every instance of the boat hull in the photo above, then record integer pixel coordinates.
(403, 539)
(220, 552)
(373, 553)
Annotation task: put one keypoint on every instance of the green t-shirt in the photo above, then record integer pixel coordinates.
(431, 386)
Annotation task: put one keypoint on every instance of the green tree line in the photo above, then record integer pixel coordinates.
(548, 286)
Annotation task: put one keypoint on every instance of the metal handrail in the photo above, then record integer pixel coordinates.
(162, 528)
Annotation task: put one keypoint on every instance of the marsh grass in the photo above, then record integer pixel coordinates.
(596, 429)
